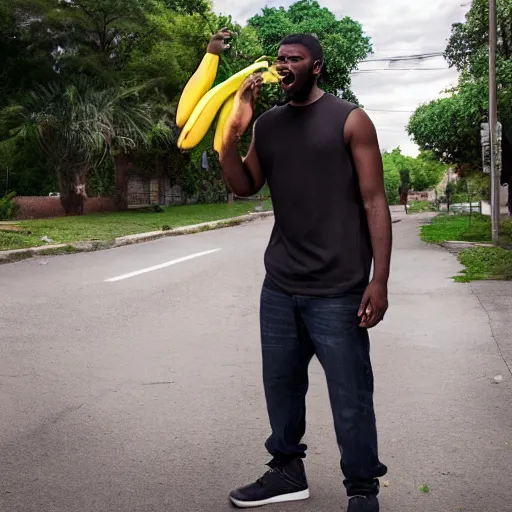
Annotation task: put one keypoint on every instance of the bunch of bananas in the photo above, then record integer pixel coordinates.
(199, 103)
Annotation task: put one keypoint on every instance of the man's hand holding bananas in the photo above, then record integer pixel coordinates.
(234, 98)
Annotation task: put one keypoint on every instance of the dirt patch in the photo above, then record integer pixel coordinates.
(15, 229)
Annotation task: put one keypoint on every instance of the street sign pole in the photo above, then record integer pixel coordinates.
(493, 119)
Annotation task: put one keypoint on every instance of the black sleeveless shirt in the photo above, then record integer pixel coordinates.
(320, 243)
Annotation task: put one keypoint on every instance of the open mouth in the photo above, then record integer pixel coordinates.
(288, 79)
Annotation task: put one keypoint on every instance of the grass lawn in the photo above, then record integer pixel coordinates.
(111, 225)
(464, 228)
(421, 207)
(481, 262)
(484, 263)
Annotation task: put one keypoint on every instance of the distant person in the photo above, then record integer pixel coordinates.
(320, 157)
(403, 192)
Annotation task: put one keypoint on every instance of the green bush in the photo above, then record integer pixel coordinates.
(8, 207)
(421, 207)
(391, 184)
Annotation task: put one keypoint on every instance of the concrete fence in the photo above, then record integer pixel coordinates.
(43, 207)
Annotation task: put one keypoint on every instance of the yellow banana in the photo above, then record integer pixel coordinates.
(198, 85)
(225, 111)
(205, 111)
(270, 76)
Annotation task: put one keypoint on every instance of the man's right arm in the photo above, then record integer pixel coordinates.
(243, 176)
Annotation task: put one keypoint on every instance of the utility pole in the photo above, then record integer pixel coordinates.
(493, 119)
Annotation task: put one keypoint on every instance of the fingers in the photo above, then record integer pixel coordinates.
(219, 41)
(365, 319)
(370, 312)
(257, 83)
(250, 88)
(365, 302)
(223, 33)
(371, 316)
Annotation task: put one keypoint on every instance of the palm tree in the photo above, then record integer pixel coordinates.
(78, 125)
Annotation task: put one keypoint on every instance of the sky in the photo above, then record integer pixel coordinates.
(396, 28)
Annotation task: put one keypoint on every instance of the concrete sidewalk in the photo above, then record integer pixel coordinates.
(496, 299)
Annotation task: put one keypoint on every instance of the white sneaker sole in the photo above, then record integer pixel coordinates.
(293, 496)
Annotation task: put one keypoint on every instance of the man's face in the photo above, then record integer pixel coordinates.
(299, 69)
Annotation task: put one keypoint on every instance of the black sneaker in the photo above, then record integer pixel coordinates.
(363, 504)
(279, 484)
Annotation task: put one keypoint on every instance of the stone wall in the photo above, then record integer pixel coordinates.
(43, 207)
(144, 191)
(418, 196)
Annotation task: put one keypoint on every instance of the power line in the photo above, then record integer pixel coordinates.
(419, 50)
(399, 69)
(419, 56)
(393, 111)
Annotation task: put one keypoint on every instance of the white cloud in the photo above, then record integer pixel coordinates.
(396, 27)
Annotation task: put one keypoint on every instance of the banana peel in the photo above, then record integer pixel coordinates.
(271, 76)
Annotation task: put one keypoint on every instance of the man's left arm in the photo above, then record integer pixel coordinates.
(361, 137)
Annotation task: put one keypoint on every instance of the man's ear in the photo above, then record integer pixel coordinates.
(317, 67)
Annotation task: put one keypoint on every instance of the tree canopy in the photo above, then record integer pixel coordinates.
(342, 39)
(470, 39)
(422, 173)
(450, 126)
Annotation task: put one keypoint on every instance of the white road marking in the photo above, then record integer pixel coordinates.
(161, 265)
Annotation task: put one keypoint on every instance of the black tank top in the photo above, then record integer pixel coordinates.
(320, 243)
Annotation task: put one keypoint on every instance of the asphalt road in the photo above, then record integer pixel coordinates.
(143, 393)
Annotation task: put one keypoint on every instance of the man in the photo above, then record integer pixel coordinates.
(403, 192)
(320, 157)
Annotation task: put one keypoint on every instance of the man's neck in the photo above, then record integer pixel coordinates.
(315, 94)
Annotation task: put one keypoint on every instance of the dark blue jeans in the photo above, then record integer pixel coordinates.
(293, 330)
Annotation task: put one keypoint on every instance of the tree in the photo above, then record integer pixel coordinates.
(450, 127)
(150, 45)
(394, 164)
(25, 49)
(402, 172)
(342, 39)
(24, 169)
(76, 125)
(470, 39)
(428, 172)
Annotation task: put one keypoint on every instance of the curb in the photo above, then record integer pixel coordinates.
(456, 247)
(99, 245)
(464, 245)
